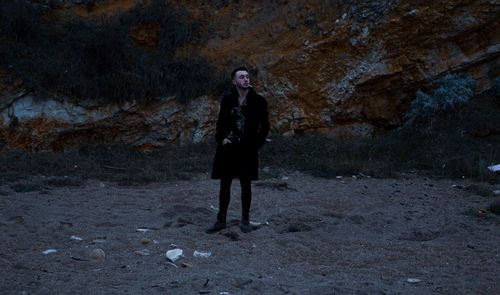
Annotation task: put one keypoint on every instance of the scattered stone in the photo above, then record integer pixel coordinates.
(185, 265)
(145, 241)
(97, 254)
(143, 230)
(49, 251)
(255, 223)
(143, 252)
(174, 254)
(78, 258)
(202, 254)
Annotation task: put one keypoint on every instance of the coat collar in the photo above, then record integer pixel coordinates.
(250, 96)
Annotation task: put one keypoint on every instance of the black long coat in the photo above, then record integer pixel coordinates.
(240, 160)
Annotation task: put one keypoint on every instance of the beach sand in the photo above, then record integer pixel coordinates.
(411, 235)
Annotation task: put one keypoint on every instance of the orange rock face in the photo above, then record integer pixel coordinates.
(341, 69)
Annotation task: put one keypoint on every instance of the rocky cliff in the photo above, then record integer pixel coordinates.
(345, 68)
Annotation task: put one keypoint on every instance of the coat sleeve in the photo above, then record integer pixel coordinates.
(263, 125)
(223, 121)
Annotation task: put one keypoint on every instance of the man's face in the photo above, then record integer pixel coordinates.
(241, 80)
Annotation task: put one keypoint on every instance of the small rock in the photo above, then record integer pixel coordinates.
(202, 254)
(143, 252)
(145, 241)
(174, 254)
(185, 265)
(97, 254)
(49, 251)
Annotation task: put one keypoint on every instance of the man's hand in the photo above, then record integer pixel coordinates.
(226, 141)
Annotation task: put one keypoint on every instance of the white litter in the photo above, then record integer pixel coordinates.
(494, 168)
(143, 230)
(75, 238)
(174, 254)
(49, 251)
(202, 254)
(412, 281)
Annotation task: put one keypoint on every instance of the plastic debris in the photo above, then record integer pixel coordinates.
(49, 251)
(214, 208)
(339, 177)
(496, 192)
(202, 254)
(97, 254)
(413, 281)
(494, 168)
(174, 254)
(75, 238)
(143, 230)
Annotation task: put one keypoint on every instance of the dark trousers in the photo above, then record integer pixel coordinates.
(225, 197)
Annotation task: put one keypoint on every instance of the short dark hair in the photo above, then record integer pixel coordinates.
(238, 69)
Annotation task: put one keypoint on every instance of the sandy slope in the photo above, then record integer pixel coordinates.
(340, 236)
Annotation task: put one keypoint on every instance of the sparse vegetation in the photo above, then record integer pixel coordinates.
(452, 91)
(447, 149)
(96, 59)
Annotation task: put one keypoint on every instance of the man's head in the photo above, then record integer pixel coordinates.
(241, 78)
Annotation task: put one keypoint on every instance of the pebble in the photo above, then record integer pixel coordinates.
(97, 254)
(49, 251)
(143, 252)
(202, 254)
(174, 254)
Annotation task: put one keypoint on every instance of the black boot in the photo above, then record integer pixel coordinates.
(245, 226)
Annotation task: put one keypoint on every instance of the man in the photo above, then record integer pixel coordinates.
(241, 130)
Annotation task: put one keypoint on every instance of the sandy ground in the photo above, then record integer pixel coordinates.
(411, 235)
